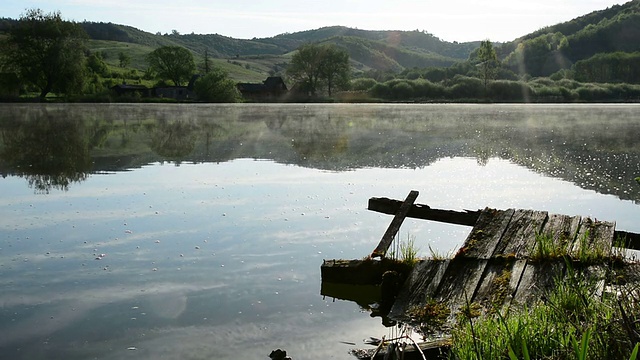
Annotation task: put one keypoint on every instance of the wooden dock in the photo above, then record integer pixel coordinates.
(510, 258)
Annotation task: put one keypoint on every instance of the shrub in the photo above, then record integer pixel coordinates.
(363, 84)
(506, 90)
(426, 89)
(402, 90)
(466, 88)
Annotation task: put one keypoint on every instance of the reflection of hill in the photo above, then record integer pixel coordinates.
(591, 146)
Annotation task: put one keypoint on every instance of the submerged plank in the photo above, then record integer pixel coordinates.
(421, 211)
(460, 281)
(381, 250)
(419, 287)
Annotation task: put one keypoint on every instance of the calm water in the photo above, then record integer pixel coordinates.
(197, 232)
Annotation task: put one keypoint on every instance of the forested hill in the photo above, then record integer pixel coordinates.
(548, 50)
(382, 50)
(614, 32)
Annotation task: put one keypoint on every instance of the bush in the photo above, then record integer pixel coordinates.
(506, 90)
(426, 89)
(402, 91)
(380, 90)
(363, 84)
(466, 88)
(216, 86)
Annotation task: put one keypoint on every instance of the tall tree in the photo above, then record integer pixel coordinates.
(124, 60)
(488, 62)
(317, 65)
(334, 67)
(207, 62)
(305, 67)
(173, 63)
(216, 86)
(47, 52)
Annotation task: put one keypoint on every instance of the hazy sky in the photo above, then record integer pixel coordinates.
(451, 20)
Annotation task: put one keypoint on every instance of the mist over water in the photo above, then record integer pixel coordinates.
(198, 231)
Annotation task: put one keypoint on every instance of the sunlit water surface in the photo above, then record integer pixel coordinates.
(197, 232)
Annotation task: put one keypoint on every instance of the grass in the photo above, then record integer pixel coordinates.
(586, 249)
(405, 252)
(568, 323)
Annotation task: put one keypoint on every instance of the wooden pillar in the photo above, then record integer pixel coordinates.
(393, 228)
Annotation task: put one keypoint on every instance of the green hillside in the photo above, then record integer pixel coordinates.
(548, 50)
(590, 58)
(378, 50)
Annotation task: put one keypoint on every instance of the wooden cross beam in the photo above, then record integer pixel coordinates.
(393, 228)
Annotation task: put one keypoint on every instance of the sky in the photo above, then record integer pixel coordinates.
(449, 20)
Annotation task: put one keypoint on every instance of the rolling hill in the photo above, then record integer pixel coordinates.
(540, 53)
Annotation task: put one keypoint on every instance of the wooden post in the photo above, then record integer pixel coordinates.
(393, 228)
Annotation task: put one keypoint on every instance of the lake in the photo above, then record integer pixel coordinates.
(198, 231)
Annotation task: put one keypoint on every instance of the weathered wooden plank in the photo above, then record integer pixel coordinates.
(486, 234)
(393, 228)
(496, 288)
(536, 279)
(460, 282)
(562, 230)
(421, 211)
(520, 235)
(421, 285)
(594, 236)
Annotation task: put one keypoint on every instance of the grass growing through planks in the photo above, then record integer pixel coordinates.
(548, 247)
(405, 251)
(585, 250)
(568, 323)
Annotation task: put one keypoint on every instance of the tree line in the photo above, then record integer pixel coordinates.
(49, 55)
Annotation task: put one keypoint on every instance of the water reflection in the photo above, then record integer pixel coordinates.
(48, 148)
(592, 146)
(219, 257)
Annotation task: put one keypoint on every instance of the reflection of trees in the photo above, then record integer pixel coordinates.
(50, 150)
(317, 140)
(173, 140)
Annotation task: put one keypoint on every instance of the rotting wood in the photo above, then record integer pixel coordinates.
(536, 279)
(562, 229)
(381, 250)
(520, 235)
(498, 266)
(496, 289)
(595, 235)
(424, 212)
(460, 282)
(421, 285)
(484, 237)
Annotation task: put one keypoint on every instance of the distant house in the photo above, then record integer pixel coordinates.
(177, 92)
(131, 90)
(172, 92)
(270, 89)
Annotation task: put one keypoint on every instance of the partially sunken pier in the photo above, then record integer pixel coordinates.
(510, 256)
